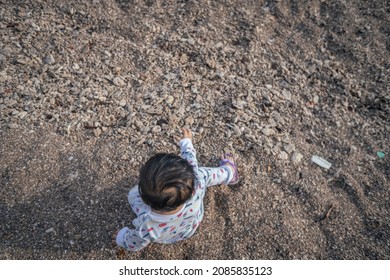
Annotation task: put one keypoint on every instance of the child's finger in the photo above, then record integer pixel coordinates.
(187, 132)
(176, 138)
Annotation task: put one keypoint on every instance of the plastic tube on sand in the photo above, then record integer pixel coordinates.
(321, 162)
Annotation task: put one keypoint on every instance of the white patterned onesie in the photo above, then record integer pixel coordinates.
(153, 227)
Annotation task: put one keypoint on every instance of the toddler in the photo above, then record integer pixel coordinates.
(168, 199)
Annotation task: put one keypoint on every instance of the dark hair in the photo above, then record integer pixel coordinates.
(166, 181)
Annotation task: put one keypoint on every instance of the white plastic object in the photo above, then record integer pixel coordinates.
(321, 162)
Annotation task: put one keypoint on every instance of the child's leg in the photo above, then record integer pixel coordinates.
(135, 200)
(216, 175)
(228, 160)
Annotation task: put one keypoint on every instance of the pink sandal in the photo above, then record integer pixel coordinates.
(225, 161)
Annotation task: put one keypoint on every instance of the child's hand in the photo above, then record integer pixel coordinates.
(187, 133)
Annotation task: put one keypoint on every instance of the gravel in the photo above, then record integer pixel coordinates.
(89, 90)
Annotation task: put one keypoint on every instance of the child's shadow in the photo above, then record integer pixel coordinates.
(68, 221)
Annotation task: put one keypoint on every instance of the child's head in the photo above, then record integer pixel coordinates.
(166, 182)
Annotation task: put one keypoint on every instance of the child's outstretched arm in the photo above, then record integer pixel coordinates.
(187, 150)
(130, 240)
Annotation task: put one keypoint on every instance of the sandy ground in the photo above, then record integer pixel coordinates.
(89, 90)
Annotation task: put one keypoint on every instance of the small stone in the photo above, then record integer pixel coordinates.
(170, 76)
(316, 99)
(157, 110)
(180, 112)
(76, 66)
(22, 114)
(191, 41)
(194, 89)
(138, 124)
(296, 158)
(13, 125)
(286, 94)
(170, 99)
(189, 120)
(283, 155)
(49, 59)
(50, 230)
(116, 70)
(23, 60)
(97, 132)
(286, 140)
(174, 119)
(183, 58)
(4, 77)
(211, 63)
(218, 45)
(268, 131)
(122, 103)
(272, 122)
(118, 82)
(237, 130)
(156, 129)
(369, 157)
(11, 102)
(289, 148)
(268, 86)
(239, 104)
(197, 106)
(2, 58)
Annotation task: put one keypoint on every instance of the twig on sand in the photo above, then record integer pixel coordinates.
(327, 216)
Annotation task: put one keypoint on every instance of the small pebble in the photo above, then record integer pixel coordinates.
(283, 155)
(289, 148)
(50, 230)
(170, 99)
(296, 158)
(156, 129)
(97, 132)
(122, 103)
(118, 82)
(268, 131)
(286, 94)
(189, 120)
(49, 59)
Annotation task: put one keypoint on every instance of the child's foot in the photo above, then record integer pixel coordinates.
(227, 159)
